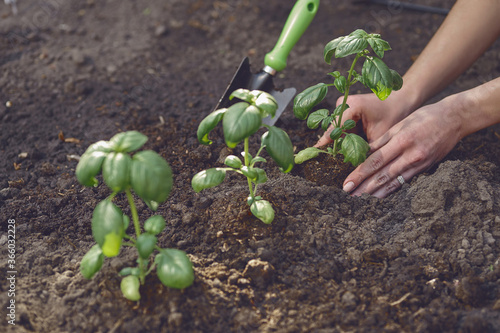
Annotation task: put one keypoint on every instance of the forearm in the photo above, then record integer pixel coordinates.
(476, 108)
(470, 28)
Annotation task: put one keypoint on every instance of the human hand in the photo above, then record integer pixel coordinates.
(406, 149)
(376, 116)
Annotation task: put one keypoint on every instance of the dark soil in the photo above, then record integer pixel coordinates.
(324, 170)
(425, 259)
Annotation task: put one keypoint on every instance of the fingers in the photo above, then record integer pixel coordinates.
(373, 164)
(379, 174)
(393, 185)
(384, 180)
(384, 139)
(325, 139)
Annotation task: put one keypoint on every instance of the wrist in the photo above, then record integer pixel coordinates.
(453, 115)
(403, 102)
(411, 95)
(477, 108)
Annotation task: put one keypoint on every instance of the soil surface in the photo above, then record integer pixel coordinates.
(424, 259)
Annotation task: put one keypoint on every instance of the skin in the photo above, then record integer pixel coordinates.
(407, 138)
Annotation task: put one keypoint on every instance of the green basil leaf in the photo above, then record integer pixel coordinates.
(153, 205)
(307, 154)
(378, 45)
(102, 146)
(250, 200)
(174, 268)
(208, 124)
(257, 159)
(279, 147)
(91, 262)
(349, 124)
(130, 271)
(240, 121)
(146, 244)
(316, 118)
(378, 77)
(262, 210)
(330, 49)
(340, 83)
(264, 101)
(208, 178)
(155, 224)
(354, 43)
(233, 162)
(126, 222)
(250, 173)
(335, 74)
(89, 166)
(243, 94)
(354, 148)
(397, 80)
(261, 176)
(130, 288)
(355, 77)
(335, 134)
(267, 103)
(338, 110)
(107, 227)
(309, 98)
(327, 122)
(116, 171)
(128, 141)
(151, 177)
(360, 33)
(249, 155)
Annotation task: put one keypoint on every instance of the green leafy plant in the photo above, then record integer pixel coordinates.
(150, 177)
(240, 121)
(375, 75)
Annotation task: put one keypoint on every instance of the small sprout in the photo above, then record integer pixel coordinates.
(240, 121)
(150, 177)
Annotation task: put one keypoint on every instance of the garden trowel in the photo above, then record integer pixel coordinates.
(275, 61)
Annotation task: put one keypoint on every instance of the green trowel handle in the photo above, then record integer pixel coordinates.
(299, 19)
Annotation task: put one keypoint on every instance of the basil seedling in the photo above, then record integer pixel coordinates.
(150, 177)
(239, 122)
(375, 75)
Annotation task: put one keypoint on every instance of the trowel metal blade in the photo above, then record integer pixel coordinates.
(240, 80)
(283, 98)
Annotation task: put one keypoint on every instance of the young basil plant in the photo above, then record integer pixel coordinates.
(240, 121)
(375, 75)
(150, 177)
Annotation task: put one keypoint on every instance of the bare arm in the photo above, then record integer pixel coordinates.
(470, 28)
(427, 134)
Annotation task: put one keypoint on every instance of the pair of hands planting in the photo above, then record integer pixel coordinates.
(405, 138)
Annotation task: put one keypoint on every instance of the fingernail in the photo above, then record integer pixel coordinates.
(349, 187)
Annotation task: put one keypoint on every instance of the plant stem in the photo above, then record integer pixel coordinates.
(338, 122)
(258, 153)
(137, 227)
(247, 163)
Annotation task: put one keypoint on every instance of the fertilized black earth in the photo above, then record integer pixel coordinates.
(424, 259)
